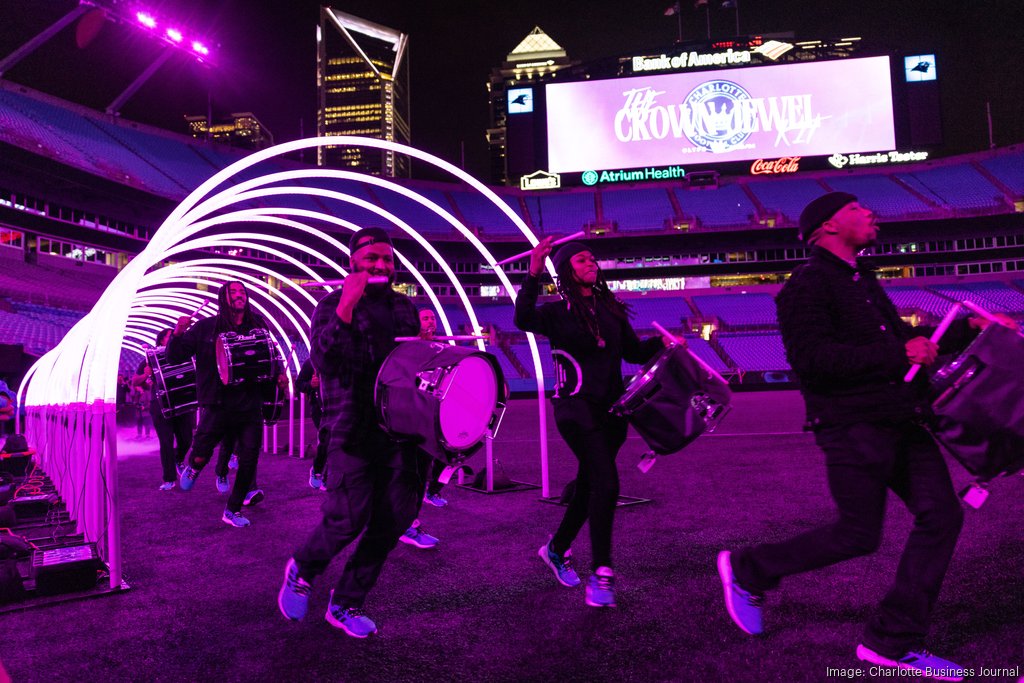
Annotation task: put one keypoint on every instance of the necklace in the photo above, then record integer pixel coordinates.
(592, 322)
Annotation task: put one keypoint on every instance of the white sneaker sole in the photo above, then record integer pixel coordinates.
(337, 624)
(543, 555)
(600, 604)
(408, 541)
(725, 574)
(866, 654)
(280, 594)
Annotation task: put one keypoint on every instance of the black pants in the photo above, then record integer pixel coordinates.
(863, 462)
(595, 437)
(320, 461)
(370, 496)
(247, 429)
(175, 436)
(434, 486)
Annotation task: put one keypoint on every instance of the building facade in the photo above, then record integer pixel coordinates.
(363, 90)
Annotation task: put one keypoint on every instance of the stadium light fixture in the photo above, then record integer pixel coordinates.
(146, 19)
(175, 35)
(200, 48)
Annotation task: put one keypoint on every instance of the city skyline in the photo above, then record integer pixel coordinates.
(266, 57)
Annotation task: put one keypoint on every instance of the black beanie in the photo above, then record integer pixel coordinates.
(366, 237)
(566, 252)
(821, 209)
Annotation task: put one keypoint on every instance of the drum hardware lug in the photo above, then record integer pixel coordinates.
(647, 461)
(975, 494)
(496, 417)
(448, 472)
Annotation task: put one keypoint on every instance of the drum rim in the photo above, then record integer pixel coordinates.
(501, 395)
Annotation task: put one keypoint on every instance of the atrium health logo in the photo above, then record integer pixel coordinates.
(590, 177)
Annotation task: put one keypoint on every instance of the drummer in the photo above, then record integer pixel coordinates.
(373, 484)
(175, 432)
(851, 350)
(590, 336)
(225, 410)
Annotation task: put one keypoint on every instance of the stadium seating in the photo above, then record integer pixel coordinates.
(738, 309)
(637, 210)
(880, 194)
(787, 196)
(479, 212)
(726, 206)
(959, 186)
(907, 298)
(752, 352)
(1009, 170)
(561, 212)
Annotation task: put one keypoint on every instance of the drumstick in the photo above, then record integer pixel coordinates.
(510, 259)
(704, 366)
(978, 310)
(201, 307)
(947, 320)
(373, 280)
(457, 337)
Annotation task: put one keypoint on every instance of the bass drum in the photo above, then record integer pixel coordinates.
(673, 400)
(979, 404)
(445, 398)
(174, 386)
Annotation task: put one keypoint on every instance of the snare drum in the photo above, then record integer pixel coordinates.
(979, 404)
(174, 386)
(673, 400)
(247, 359)
(446, 398)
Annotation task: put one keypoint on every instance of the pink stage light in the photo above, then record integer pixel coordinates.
(145, 19)
(200, 48)
(174, 34)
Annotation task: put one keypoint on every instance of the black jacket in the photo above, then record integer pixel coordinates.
(583, 369)
(199, 341)
(347, 358)
(846, 343)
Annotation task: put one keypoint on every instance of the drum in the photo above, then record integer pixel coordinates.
(247, 359)
(673, 400)
(174, 386)
(445, 398)
(979, 404)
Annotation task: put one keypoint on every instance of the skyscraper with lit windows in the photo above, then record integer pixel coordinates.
(363, 89)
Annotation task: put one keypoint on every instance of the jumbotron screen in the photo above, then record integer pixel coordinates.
(808, 109)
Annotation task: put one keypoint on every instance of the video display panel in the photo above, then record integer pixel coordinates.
(808, 109)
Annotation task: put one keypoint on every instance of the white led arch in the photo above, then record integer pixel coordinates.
(79, 375)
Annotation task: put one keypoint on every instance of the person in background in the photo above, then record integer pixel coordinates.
(308, 382)
(235, 410)
(173, 433)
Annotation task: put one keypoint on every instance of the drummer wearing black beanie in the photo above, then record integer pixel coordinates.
(590, 336)
(850, 350)
(374, 484)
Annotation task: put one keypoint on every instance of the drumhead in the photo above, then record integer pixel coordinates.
(468, 404)
(223, 358)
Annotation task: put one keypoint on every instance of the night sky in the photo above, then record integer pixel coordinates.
(265, 63)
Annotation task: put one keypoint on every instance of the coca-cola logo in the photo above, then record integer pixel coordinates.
(773, 166)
